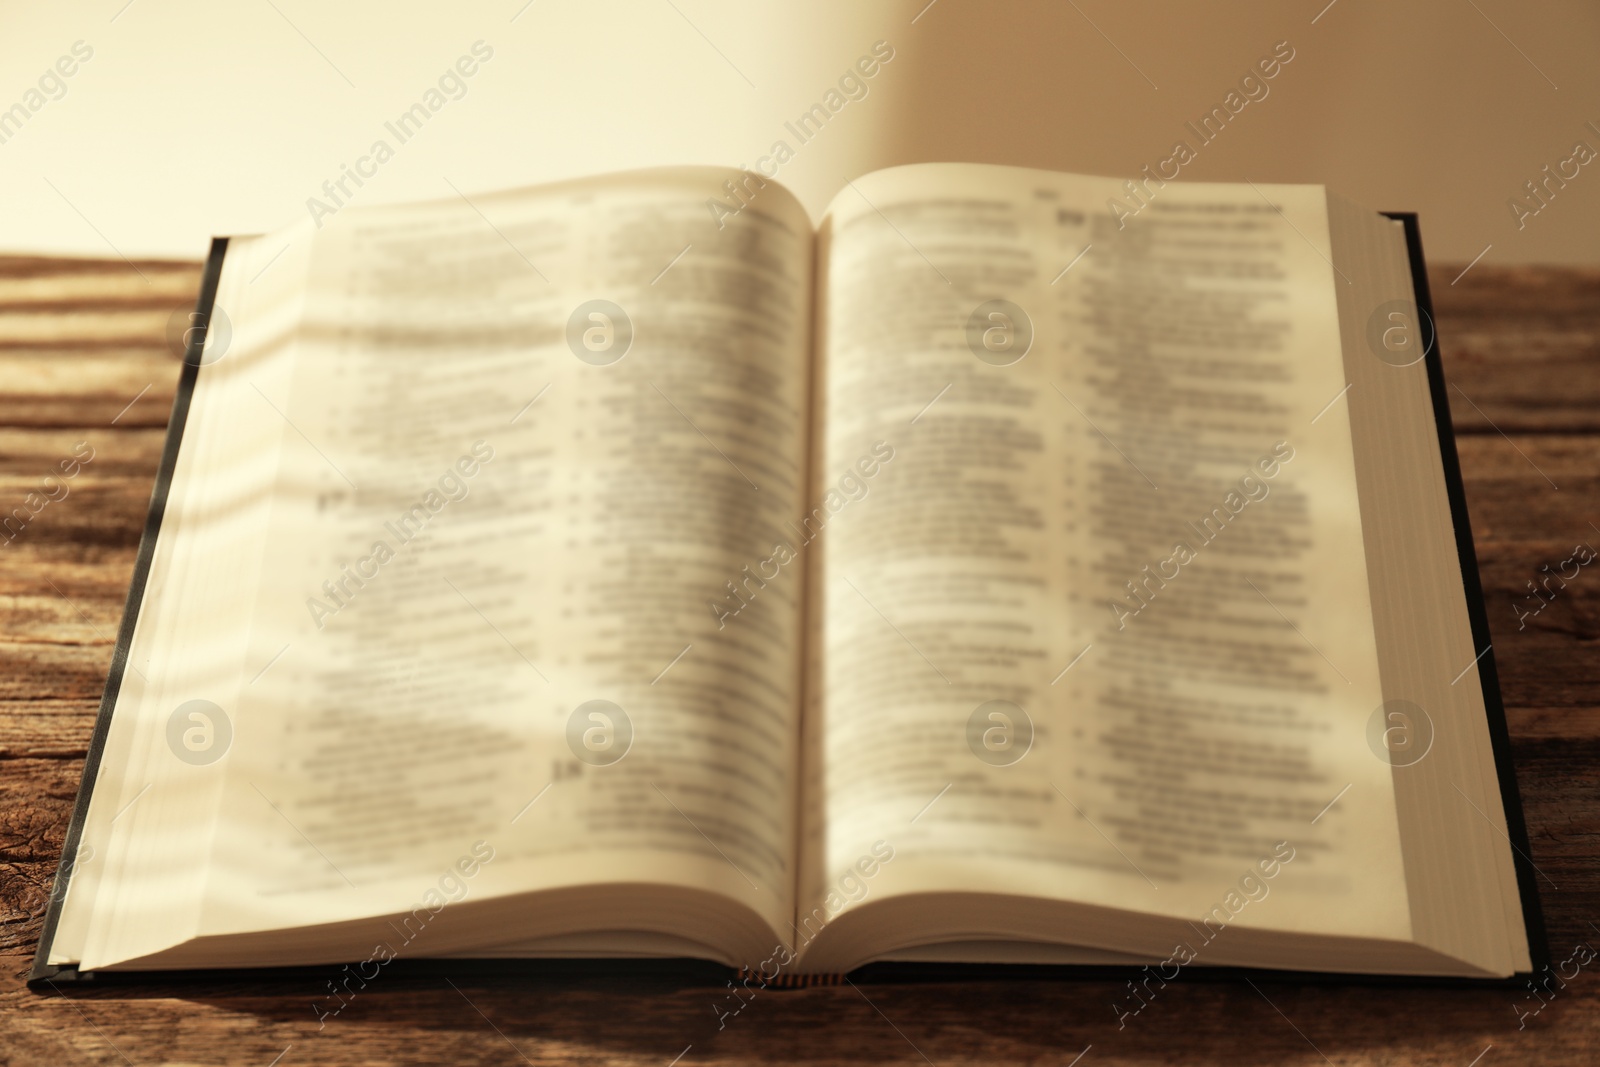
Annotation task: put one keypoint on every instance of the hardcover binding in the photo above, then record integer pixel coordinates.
(1477, 610)
(212, 274)
(689, 972)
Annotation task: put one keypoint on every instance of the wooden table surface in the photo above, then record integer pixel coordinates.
(84, 357)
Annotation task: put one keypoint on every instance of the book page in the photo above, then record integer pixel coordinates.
(532, 440)
(140, 856)
(1099, 631)
(1460, 870)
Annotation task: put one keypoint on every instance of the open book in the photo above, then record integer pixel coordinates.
(1015, 567)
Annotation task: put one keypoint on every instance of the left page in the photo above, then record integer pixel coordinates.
(528, 442)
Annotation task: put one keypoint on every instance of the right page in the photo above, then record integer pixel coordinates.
(1096, 628)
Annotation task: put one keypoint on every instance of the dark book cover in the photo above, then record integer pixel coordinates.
(685, 973)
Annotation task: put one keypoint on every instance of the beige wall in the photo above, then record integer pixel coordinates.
(192, 119)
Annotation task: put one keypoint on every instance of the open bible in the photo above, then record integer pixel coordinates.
(634, 567)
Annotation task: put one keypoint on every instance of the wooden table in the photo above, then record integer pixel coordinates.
(84, 357)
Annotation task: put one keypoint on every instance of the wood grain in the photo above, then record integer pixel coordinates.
(85, 356)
